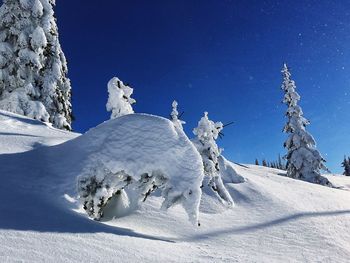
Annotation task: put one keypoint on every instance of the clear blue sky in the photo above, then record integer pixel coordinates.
(219, 56)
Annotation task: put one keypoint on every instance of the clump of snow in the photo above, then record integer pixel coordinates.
(119, 99)
(145, 153)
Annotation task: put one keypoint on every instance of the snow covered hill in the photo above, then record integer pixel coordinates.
(276, 219)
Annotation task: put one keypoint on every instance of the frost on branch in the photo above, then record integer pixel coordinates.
(119, 98)
(304, 161)
(206, 134)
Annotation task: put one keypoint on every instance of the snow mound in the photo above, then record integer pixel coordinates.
(144, 152)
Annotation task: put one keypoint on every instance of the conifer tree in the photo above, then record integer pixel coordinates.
(175, 116)
(256, 162)
(264, 163)
(119, 99)
(303, 159)
(346, 165)
(207, 133)
(33, 68)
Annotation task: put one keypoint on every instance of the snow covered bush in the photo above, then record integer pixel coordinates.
(119, 99)
(136, 154)
(303, 159)
(33, 69)
(206, 134)
(97, 185)
(175, 116)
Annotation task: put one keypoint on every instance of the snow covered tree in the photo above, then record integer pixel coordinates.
(303, 159)
(175, 116)
(206, 134)
(346, 165)
(33, 68)
(264, 163)
(119, 99)
(256, 162)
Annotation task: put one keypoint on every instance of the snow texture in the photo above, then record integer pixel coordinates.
(33, 69)
(119, 99)
(304, 161)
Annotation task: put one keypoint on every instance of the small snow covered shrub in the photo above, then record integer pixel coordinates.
(207, 132)
(97, 185)
(137, 154)
(175, 116)
(119, 99)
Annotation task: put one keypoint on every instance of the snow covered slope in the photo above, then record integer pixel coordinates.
(276, 219)
(20, 134)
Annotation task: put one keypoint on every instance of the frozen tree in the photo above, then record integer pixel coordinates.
(175, 116)
(33, 68)
(97, 186)
(119, 99)
(264, 163)
(303, 159)
(206, 134)
(346, 165)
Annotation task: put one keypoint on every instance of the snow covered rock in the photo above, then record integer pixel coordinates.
(139, 153)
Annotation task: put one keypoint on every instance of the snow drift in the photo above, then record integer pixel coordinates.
(143, 152)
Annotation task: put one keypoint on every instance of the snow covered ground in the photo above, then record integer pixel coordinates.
(276, 219)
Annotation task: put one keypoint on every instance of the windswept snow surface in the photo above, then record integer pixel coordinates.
(276, 218)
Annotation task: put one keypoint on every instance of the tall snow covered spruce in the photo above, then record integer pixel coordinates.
(303, 159)
(33, 68)
(175, 116)
(119, 99)
(206, 134)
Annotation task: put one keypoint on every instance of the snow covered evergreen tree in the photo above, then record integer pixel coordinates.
(119, 99)
(346, 165)
(303, 159)
(175, 116)
(256, 162)
(207, 132)
(33, 68)
(264, 163)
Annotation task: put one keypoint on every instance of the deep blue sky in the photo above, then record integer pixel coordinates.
(223, 57)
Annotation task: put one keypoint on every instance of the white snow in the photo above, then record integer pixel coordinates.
(276, 218)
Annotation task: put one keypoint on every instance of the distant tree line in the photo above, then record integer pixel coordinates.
(278, 164)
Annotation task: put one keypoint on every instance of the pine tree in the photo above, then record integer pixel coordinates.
(175, 116)
(346, 165)
(303, 159)
(280, 163)
(264, 163)
(33, 68)
(207, 133)
(119, 99)
(256, 162)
